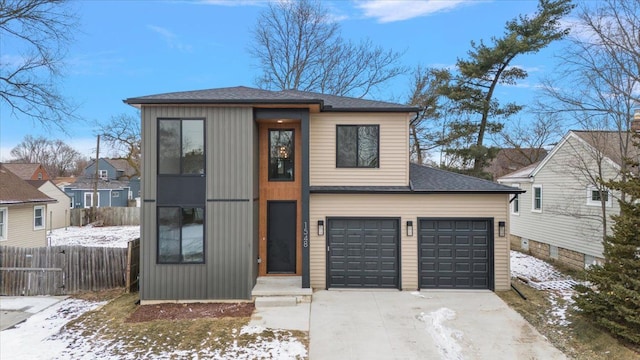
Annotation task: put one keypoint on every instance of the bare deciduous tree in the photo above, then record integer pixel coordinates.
(298, 46)
(35, 35)
(602, 66)
(123, 135)
(58, 158)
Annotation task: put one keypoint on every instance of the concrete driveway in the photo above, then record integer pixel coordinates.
(421, 325)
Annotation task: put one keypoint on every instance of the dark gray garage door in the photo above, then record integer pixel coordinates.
(455, 253)
(362, 253)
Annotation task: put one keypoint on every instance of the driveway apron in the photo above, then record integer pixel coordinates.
(421, 325)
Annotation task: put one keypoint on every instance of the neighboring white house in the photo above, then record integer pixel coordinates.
(561, 214)
(59, 213)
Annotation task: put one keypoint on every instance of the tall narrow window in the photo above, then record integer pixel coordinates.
(180, 235)
(537, 198)
(38, 217)
(357, 146)
(180, 147)
(3, 223)
(281, 155)
(515, 203)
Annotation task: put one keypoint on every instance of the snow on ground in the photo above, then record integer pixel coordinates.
(103, 236)
(446, 338)
(40, 338)
(34, 338)
(543, 276)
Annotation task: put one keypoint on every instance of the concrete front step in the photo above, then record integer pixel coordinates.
(275, 301)
(284, 286)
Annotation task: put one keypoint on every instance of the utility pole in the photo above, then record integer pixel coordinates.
(94, 202)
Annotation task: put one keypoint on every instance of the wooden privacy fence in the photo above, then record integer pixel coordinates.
(133, 265)
(109, 216)
(62, 270)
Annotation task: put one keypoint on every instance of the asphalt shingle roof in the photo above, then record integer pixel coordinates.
(247, 95)
(23, 170)
(426, 179)
(17, 191)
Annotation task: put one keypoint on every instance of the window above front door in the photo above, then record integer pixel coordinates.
(281, 155)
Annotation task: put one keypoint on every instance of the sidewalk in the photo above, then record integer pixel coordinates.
(16, 309)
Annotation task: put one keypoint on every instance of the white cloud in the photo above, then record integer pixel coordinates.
(170, 38)
(398, 10)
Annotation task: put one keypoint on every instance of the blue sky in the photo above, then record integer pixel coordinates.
(133, 48)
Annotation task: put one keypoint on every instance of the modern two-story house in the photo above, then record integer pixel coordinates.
(240, 183)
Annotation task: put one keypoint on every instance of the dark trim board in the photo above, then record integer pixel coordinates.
(375, 273)
(455, 262)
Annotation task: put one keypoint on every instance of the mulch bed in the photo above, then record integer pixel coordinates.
(172, 311)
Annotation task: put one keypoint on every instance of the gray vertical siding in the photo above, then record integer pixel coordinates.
(229, 270)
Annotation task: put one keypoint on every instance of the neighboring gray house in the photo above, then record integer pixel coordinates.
(561, 214)
(240, 183)
(110, 193)
(117, 184)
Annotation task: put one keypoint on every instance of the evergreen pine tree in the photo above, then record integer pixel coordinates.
(613, 297)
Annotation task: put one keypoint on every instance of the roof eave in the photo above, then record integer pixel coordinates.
(416, 192)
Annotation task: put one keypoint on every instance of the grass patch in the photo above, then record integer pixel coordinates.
(108, 328)
(581, 339)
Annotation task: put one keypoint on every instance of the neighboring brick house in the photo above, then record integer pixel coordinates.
(240, 183)
(28, 171)
(23, 212)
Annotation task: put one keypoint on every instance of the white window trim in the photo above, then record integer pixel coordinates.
(591, 202)
(103, 174)
(516, 213)
(91, 204)
(73, 201)
(44, 222)
(533, 198)
(5, 223)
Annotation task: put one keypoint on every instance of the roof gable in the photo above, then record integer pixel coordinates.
(24, 170)
(14, 190)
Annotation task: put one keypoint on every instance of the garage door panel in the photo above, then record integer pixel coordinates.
(372, 254)
(460, 255)
(444, 240)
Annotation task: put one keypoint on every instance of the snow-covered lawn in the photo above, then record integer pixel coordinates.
(104, 236)
(543, 276)
(42, 337)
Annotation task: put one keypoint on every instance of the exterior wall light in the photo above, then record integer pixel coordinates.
(409, 228)
(501, 228)
(320, 227)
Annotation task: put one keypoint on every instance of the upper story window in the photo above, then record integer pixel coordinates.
(357, 146)
(39, 176)
(281, 155)
(181, 147)
(595, 197)
(4, 215)
(103, 174)
(38, 217)
(536, 203)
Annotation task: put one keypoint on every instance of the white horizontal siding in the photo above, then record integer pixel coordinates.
(58, 214)
(566, 220)
(394, 150)
(20, 230)
(407, 207)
